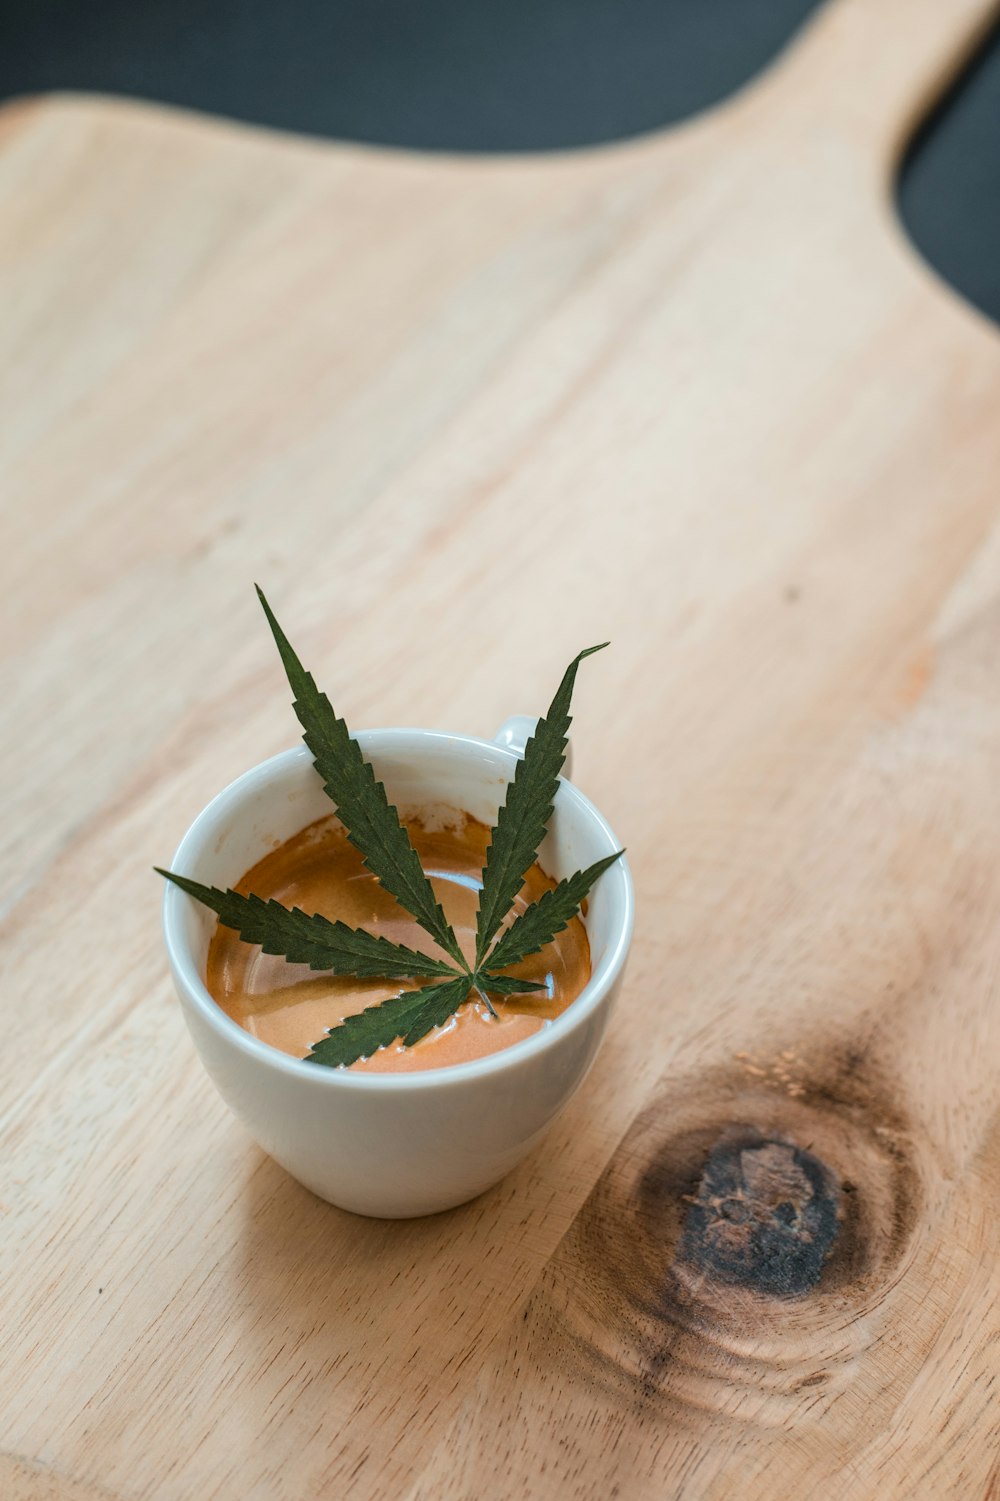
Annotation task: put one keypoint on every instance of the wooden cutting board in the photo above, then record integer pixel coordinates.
(694, 393)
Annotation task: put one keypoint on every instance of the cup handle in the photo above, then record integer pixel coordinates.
(515, 733)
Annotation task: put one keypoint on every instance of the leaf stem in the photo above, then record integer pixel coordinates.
(485, 999)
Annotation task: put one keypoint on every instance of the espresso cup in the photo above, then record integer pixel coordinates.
(396, 1145)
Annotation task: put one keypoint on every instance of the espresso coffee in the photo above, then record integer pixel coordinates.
(291, 1007)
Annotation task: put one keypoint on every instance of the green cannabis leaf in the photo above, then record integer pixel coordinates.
(371, 821)
(409, 1016)
(538, 924)
(374, 828)
(312, 940)
(507, 984)
(522, 821)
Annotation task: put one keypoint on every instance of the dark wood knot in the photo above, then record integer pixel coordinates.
(765, 1216)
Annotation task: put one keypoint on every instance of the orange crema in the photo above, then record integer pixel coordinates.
(291, 1007)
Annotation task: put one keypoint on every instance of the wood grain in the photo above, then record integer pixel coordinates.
(708, 403)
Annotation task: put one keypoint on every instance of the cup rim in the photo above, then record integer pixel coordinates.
(186, 971)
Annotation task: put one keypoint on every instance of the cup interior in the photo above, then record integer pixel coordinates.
(421, 770)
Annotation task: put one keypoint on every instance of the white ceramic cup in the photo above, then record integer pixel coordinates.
(396, 1145)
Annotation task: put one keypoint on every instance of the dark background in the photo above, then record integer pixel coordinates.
(494, 75)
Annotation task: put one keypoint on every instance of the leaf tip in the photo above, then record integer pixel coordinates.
(294, 671)
(272, 622)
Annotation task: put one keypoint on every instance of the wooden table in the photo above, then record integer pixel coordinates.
(460, 417)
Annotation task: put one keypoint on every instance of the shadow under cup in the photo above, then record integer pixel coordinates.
(395, 1145)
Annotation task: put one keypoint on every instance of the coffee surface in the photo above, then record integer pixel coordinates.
(291, 1006)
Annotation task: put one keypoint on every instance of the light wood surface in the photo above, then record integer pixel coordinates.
(460, 417)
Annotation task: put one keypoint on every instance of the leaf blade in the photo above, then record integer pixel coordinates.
(373, 824)
(408, 1016)
(527, 808)
(312, 939)
(554, 910)
(507, 984)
